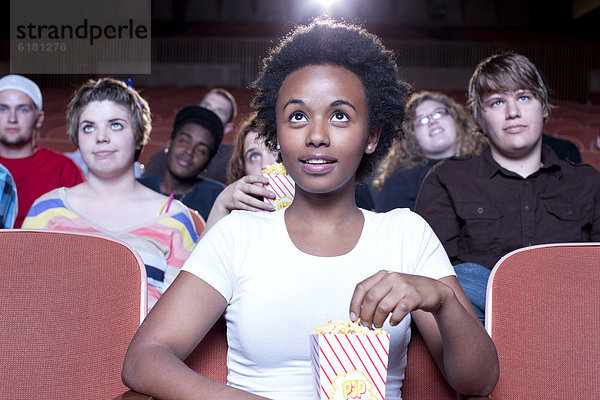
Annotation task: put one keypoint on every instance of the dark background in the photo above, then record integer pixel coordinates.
(199, 44)
(437, 42)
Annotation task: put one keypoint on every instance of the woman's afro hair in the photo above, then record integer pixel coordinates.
(327, 42)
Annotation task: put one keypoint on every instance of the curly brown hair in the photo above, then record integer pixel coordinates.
(406, 153)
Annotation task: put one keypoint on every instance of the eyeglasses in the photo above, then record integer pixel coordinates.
(427, 119)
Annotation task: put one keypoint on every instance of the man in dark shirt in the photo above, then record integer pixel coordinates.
(517, 192)
(197, 134)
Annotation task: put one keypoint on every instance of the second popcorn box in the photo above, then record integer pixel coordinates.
(281, 184)
(349, 362)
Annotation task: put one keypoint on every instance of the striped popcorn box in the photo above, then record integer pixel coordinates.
(281, 184)
(350, 366)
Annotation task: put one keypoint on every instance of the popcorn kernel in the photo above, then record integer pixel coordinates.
(275, 169)
(345, 327)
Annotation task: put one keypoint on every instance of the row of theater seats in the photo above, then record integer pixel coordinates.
(578, 123)
(71, 303)
(581, 126)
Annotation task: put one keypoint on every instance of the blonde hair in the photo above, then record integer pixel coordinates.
(505, 72)
(406, 152)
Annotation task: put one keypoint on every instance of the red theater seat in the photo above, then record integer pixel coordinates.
(543, 313)
(71, 303)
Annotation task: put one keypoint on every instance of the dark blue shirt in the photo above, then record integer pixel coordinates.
(564, 149)
(401, 188)
(200, 198)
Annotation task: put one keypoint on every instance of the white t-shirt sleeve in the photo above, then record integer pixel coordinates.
(212, 258)
(417, 246)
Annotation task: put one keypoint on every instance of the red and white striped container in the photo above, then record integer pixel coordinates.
(350, 366)
(284, 188)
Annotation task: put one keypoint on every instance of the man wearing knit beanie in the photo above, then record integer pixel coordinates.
(35, 170)
(197, 134)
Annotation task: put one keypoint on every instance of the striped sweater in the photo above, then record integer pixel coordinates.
(163, 242)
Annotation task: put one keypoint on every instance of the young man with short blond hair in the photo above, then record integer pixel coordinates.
(517, 193)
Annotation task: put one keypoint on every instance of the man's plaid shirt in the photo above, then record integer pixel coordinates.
(8, 199)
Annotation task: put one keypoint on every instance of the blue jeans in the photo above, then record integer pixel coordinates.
(473, 278)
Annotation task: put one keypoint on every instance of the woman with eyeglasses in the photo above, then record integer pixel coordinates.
(436, 127)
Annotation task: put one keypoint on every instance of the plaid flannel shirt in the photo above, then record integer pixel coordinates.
(8, 199)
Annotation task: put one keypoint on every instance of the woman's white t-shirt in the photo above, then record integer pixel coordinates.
(277, 295)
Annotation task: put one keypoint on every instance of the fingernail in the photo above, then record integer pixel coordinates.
(352, 316)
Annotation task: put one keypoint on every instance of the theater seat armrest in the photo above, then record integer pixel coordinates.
(131, 395)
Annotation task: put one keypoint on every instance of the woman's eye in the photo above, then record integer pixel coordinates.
(339, 116)
(87, 128)
(117, 126)
(523, 98)
(496, 103)
(254, 157)
(298, 117)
